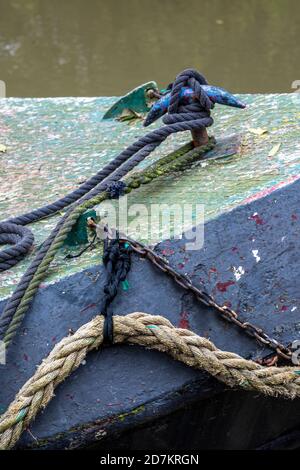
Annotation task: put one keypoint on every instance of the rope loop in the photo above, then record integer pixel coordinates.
(115, 189)
(199, 110)
(22, 240)
(151, 332)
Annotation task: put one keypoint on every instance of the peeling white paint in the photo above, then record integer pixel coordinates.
(293, 309)
(255, 254)
(283, 238)
(238, 272)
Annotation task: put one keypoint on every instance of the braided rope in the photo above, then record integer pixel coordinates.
(198, 116)
(153, 332)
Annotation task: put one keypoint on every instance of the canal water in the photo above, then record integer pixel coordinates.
(106, 47)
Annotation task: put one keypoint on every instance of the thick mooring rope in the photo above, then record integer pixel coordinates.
(179, 118)
(153, 332)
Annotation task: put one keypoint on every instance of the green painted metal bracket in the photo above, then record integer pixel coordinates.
(79, 233)
(136, 100)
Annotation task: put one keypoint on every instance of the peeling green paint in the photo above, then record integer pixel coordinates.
(79, 234)
(133, 412)
(54, 144)
(135, 100)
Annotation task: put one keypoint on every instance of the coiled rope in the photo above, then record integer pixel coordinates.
(22, 240)
(152, 332)
(179, 118)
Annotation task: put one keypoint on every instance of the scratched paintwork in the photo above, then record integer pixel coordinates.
(54, 144)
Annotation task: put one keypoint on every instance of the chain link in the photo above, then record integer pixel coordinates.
(225, 312)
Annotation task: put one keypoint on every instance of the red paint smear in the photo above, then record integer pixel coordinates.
(184, 321)
(168, 252)
(257, 218)
(87, 307)
(284, 308)
(180, 265)
(222, 286)
(267, 191)
(212, 270)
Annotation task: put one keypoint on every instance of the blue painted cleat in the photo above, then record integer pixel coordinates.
(216, 94)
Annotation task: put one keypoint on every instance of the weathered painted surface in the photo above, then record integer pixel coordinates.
(250, 259)
(54, 144)
(135, 100)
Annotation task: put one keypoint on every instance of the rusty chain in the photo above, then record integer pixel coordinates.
(206, 299)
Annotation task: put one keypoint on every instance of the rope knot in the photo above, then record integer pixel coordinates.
(197, 112)
(117, 261)
(115, 189)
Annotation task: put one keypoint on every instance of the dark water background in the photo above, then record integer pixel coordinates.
(106, 47)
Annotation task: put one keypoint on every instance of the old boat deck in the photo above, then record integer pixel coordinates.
(250, 259)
